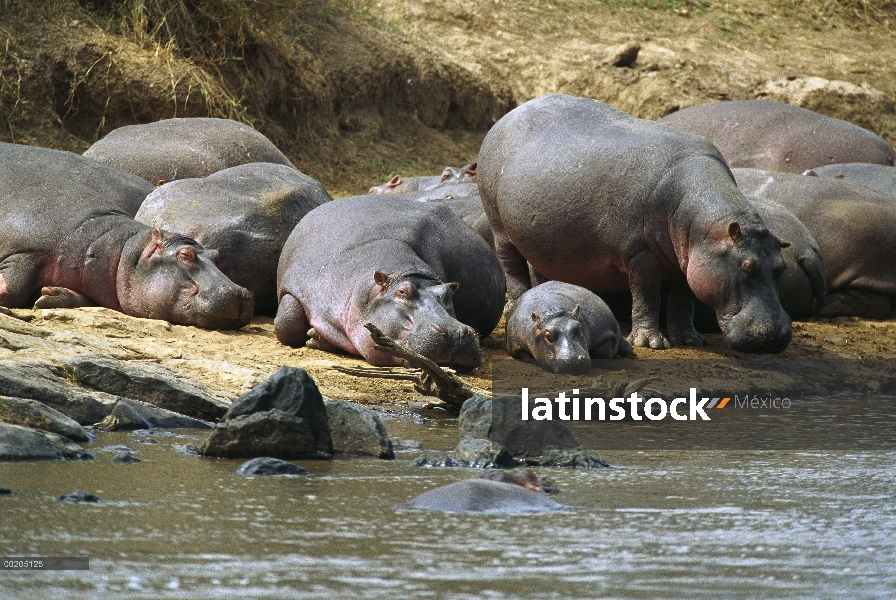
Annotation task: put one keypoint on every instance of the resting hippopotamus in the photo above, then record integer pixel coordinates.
(880, 177)
(450, 176)
(595, 197)
(855, 228)
(184, 148)
(764, 134)
(483, 495)
(563, 326)
(412, 269)
(245, 213)
(463, 200)
(65, 238)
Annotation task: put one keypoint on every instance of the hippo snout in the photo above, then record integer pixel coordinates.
(448, 344)
(229, 307)
(748, 333)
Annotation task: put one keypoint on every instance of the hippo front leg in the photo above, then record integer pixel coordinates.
(680, 316)
(644, 280)
(60, 297)
(291, 323)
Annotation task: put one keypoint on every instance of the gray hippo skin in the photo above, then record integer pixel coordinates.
(483, 495)
(412, 269)
(803, 282)
(69, 175)
(184, 148)
(764, 134)
(450, 176)
(67, 241)
(245, 213)
(597, 198)
(855, 228)
(879, 177)
(563, 326)
(463, 199)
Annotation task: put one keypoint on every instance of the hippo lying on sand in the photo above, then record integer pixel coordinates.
(563, 326)
(184, 148)
(412, 269)
(245, 213)
(764, 134)
(878, 177)
(595, 197)
(450, 176)
(855, 228)
(483, 495)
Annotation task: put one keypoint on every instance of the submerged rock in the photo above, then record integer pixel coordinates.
(483, 454)
(266, 465)
(187, 450)
(581, 458)
(21, 443)
(36, 415)
(436, 458)
(80, 496)
(4, 490)
(399, 445)
(356, 430)
(125, 457)
(482, 495)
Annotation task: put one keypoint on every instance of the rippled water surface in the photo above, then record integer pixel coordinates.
(671, 524)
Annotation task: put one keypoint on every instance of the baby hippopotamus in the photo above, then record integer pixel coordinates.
(450, 176)
(563, 327)
(413, 269)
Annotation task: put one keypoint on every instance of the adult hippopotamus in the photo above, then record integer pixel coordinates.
(65, 238)
(450, 176)
(412, 269)
(855, 228)
(245, 213)
(184, 148)
(595, 197)
(563, 326)
(463, 200)
(879, 177)
(764, 134)
(484, 495)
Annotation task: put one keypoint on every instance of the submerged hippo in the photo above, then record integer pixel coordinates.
(412, 269)
(595, 197)
(484, 495)
(563, 327)
(450, 176)
(184, 148)
(245, 213)
(879, 177)
(67, 240)
(764, 134)
(855, 228)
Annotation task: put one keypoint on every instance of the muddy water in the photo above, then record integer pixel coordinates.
(687, 524)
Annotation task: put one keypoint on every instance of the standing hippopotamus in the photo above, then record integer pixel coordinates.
(412, 269)
(245, 213)
(184, 148)
(65, 238)
(563, 326)
(764, 134)
(595, 197)
(855, 228)
(450, 176)
(879, 177)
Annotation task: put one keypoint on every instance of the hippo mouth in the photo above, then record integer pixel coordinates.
(746, 335)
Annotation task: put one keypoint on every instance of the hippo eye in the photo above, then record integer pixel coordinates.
(549, 336)
(749, 267)
(186, 254)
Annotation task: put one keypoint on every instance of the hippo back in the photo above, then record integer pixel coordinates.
(482, 495)
(879, 177)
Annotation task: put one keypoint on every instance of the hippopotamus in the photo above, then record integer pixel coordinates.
(413, 269)
(68, 171)
(184, 148)
(879, 177)
(463, 200)
(450, 176)
(764, 134)
(66, 243)
(855, 228)
(484, 495)
(563, 326)
(592, 196)
(245, 213)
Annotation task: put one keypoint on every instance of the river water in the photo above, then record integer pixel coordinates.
(672, 524)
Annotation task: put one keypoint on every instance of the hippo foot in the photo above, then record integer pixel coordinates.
(687, 338)
(316, 342)
(60, 297)
(648, 339)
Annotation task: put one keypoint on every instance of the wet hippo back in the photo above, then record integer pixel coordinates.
(879, 177)
(482, 495)
(184, 148)
(764, 134)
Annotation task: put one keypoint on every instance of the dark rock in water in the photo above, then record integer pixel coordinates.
(80, 496)
(483, 454)
(132, 414)
(356, 430)
(187, 450)
(116, 448)
(581, 458)
(271, 433)
(436, 458)
(527, 479)
(399, 445)
(146, 441)
(475, 418)
(125, 457)
(33, 414)
(20, 443)
(4, 491)
(482, 495)
(269, 466)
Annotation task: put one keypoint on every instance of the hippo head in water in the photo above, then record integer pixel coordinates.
(559, 343)
(736, 270)
(416, 310)
(175, 279)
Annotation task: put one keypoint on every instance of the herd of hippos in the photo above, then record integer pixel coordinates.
(761, 211)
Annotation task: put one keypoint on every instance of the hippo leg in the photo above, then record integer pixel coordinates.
(291, 323)
(537, 278)
(60, 297)
(856, 303)
(680, 316)
(18, 279)
(318, 342)
(516, 269)
(625, 349)
(644, 280)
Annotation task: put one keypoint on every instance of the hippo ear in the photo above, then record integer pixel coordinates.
(734, 231)
(395, 181)
(536, 320)
(157, 236)
(810, 173)
(471, 169)
(381, 279)
(576, 311)
(782, 244)
(155, 245)
(453, 285)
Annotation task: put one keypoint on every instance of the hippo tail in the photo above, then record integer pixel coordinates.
(813, 266)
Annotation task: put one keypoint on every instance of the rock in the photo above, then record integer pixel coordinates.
(623, 55)
(581, 458)
(399, 445)
(4, 491)
(156, 384)
(132, 414)
(33, 414)
(80, 496)
(436, 458)
(270, 433)
(266, 465)
(356, 430)
(483, 454)
(475, 419)
(125, 457)
(146, 441)
(20, 443)
(187, 450)
(116, 448)
(482, 495)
